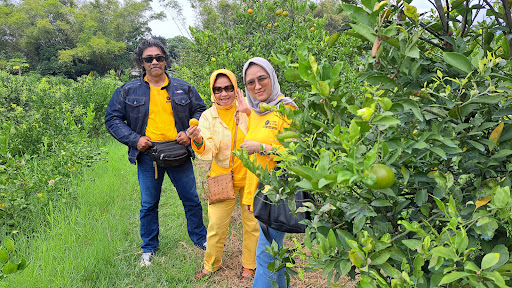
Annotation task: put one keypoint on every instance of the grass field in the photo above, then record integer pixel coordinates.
(96, 242)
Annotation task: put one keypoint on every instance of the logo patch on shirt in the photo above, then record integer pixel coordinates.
(270, 125)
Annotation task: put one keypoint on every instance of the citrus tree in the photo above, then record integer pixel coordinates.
(232, 32)
(411, 170)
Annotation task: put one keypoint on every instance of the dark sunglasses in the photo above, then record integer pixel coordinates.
(149, 59)
(252, 82)
(228, 89)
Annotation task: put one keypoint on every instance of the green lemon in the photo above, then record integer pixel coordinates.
(384, 175)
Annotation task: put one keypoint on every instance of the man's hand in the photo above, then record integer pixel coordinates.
(248, 209)
(144, 143)
(183, 139)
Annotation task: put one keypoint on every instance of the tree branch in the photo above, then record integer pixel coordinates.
(464, 20)
(494, 11)
(421, 224)
(439, 7)
(431, 43)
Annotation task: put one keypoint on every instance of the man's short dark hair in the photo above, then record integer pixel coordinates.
(150, 43)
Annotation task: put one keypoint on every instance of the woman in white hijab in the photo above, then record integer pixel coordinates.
(263, 90)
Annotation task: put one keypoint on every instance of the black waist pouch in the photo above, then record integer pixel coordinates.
(168, 153)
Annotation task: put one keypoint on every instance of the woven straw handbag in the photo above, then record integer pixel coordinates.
(221, 187)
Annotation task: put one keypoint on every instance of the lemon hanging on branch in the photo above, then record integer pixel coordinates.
(384, 176)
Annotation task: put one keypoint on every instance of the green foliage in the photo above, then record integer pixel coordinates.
(441, 121)
(9, 262)
(49, 126)
(73, 39)
(231, 35)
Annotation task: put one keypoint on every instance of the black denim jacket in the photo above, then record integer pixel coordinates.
(128, 110)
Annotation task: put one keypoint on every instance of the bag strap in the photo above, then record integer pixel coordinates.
(264, 228)
(237, 120)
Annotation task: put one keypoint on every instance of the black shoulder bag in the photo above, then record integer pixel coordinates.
(277, 215)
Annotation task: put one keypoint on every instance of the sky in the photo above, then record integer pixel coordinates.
(168, 28)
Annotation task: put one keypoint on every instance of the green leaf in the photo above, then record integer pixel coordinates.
(385, 103)
(449, 278)
(444, 252)
(413, 52)
(468, 265)
(440, 204)
(476, 145)
(380, 257)
(323, 87)
(458, 60)
(385, 120)
(4, 255)
(504, 255)
(364, 31)
(502, 153)
(357, 14)
(485, 99)
(292, 75)
(490, 260)
(333, 39)
(331, 238)
(9, 268)
(439, 152)
(413, 107)
(381, 79)
(381, 203)
(305, 172)
(412, 244)
(9, 245)
(345, 266)
(22, 264)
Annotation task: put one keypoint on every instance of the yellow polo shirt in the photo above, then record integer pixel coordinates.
(161, 126)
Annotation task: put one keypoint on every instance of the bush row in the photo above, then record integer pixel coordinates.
(48, 132)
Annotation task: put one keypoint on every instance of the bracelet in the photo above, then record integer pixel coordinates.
(198, 144)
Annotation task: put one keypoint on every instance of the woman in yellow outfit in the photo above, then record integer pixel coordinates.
(263, 88)
(213, 140)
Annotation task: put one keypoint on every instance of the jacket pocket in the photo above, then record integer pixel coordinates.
(135, 106)
(181, 100)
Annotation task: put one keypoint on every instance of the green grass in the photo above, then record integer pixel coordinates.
(95, 243)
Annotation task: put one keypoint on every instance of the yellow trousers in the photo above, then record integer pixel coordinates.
(219, 216)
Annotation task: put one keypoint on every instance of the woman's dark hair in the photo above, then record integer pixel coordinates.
(146, 44)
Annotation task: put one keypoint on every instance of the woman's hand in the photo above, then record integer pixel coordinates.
(248, 208)
(242, 103)
(251, 146)
(194, 133)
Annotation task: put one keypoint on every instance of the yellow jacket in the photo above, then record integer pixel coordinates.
(218, 148)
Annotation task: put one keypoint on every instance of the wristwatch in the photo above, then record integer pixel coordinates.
(263, 149)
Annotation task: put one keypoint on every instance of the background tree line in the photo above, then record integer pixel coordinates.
(71, 38)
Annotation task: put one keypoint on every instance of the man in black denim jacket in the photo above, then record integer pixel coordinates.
(127, 121)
